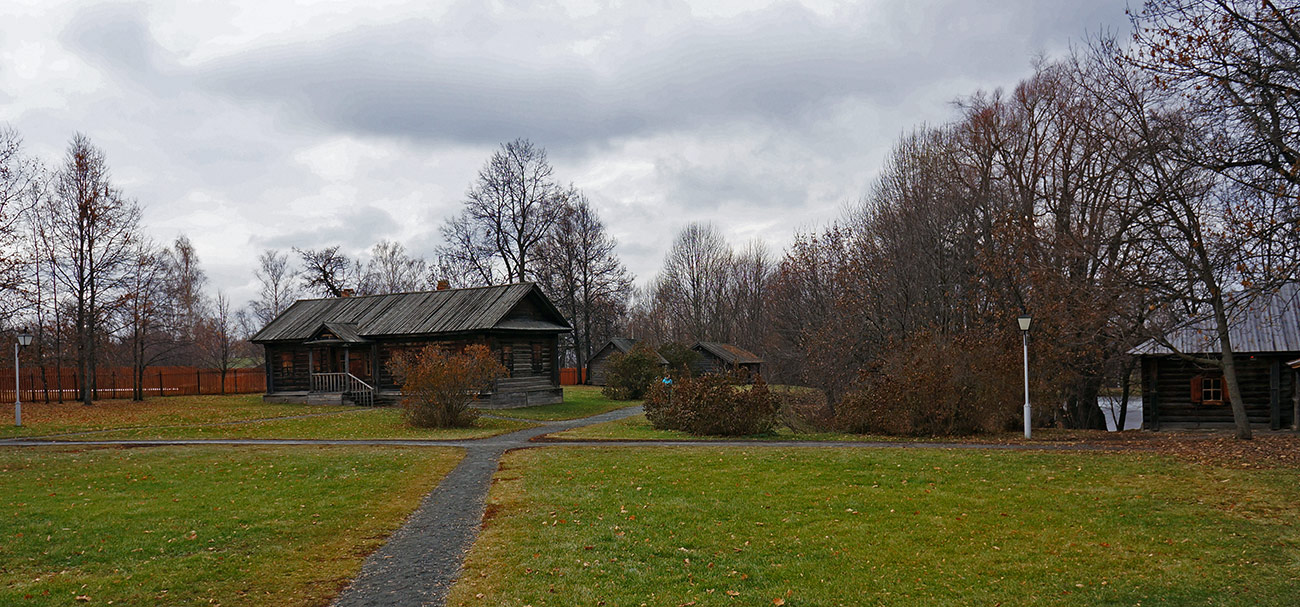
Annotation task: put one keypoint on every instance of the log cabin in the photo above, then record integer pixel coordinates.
(338, 349)
(598, 366)
(725, 358)
(1265, 334)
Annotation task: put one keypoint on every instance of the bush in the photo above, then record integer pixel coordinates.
(681, 358)
(712, 405)
(631, 374)
(438, 386)
(803, 410)
(937, 385)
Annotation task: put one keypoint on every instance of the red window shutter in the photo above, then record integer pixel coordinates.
(1196, 389)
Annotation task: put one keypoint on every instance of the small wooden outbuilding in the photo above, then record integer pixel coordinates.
(336, 349)
(725, 358)
(1265, 334)
(598, 366)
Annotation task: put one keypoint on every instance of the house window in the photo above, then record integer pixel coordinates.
(537, 358)
(507, 360)
(286, 363)
(1212, 390)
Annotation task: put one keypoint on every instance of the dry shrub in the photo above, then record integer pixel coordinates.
(713, 405)
(439, 386)
(802, 409)
(937, 385)
(631, 374)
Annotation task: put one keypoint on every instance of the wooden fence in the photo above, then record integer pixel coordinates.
(570, 376)
(45, 385)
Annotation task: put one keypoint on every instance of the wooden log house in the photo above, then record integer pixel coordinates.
(725, 358)
(598, 366)
(338, 349)
(1265, 334)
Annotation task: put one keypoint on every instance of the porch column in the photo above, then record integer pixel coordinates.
(311, 364)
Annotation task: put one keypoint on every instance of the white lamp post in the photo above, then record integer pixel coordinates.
(1024, 332)
(24, 340)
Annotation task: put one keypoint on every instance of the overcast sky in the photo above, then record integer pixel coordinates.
(261, 124)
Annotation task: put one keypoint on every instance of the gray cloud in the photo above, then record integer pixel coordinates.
(355, 231)
(760, 122)
(446, 80)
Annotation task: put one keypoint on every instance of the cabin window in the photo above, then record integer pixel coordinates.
(507, 360)
(286, 363)
(1212, 390)
(1209, 390)
(537, 358)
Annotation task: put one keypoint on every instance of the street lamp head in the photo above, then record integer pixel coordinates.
(1024, 322)
(24, 338)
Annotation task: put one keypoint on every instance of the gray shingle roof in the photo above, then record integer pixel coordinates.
(624, 345)
(421, 313)
(1268, 323)
(734, 355)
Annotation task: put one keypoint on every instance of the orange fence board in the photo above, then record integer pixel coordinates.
(45, 384)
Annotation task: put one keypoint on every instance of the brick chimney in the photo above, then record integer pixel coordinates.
(346, 293)
(444, 284)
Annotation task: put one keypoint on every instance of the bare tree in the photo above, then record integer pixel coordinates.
(1236, 66)
(508, 212)
(693, 283)
(392, 270)
(324, 271)
(145, 305)
(579, 268)
(18, 175)
(188, 281)
(217, 337)
(93, 229)
(277, 290)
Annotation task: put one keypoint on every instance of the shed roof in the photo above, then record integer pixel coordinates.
(734, 355)
(1268, 322)
(420, 313)
(624, 345)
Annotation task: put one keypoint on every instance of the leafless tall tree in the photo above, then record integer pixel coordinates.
(508, 212)
(18, 175)
(579, 268)
(693, 284)
(392, 270)
(93, 229)
(277, 288)
(324, 271)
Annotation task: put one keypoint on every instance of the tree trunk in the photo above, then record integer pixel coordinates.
(1123, 401)
(1081, 408)
(1239, 418)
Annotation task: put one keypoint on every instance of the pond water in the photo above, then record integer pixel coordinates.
(1110, 410)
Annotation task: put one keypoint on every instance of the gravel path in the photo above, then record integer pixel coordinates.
(422, 560)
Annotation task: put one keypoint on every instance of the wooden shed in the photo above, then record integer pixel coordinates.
(725, 358)
(598, 366)
(1265, 335)
(339, 349)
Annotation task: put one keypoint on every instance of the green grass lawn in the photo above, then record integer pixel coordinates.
(200, 525)
(637, 427)
(579, 401)
(736, 526)
(41, 419)
(376, 423)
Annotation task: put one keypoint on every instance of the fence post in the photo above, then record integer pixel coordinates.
(112, 391)
(198, 381)
(160, 383)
